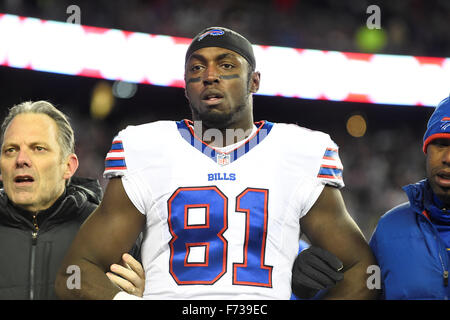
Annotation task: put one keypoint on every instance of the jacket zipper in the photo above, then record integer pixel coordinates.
(34, 237)
(445, 272)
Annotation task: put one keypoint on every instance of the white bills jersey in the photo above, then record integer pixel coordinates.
(222, 225)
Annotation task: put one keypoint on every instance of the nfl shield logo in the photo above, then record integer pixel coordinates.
(223, 159)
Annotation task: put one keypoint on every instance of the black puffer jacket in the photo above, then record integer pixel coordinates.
(32, 248)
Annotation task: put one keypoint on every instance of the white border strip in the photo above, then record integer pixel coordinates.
(51, 46)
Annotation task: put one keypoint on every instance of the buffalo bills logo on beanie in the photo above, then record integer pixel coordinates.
(445, 122)
(439, 124)
(213, 32)
(223, 38)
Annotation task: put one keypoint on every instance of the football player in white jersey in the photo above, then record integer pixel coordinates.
(222, 200)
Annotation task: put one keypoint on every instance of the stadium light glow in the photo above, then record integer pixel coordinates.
(112, 54)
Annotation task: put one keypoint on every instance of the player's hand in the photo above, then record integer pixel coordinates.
(129, 275)
(315, 269)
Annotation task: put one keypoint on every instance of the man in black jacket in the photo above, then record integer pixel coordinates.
(42, 205)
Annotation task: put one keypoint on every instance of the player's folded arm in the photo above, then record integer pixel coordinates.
(110, 230)
(329, 226)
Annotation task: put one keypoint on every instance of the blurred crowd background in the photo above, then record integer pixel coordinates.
(377, 163)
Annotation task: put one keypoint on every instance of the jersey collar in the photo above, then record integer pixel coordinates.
(223, 158)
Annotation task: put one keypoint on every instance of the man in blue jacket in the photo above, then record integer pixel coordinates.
(412, 240)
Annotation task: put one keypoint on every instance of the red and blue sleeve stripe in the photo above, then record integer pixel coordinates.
(115, 159)
(115, 163)
(331, 167)
(331, 154)
(330, 172)
(116, 146)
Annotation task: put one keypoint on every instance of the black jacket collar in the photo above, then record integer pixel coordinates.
(78, 194)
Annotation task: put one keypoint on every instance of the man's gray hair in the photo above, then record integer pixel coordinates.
(66, 136)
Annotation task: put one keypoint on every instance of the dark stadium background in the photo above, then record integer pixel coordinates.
(376, 165)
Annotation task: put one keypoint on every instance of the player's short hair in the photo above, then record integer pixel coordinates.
(66, 137)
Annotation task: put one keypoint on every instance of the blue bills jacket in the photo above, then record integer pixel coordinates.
(410, 251)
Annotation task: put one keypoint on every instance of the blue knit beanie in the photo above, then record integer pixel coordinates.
(439, 124)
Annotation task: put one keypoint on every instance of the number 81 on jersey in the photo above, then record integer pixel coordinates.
(190, 235)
